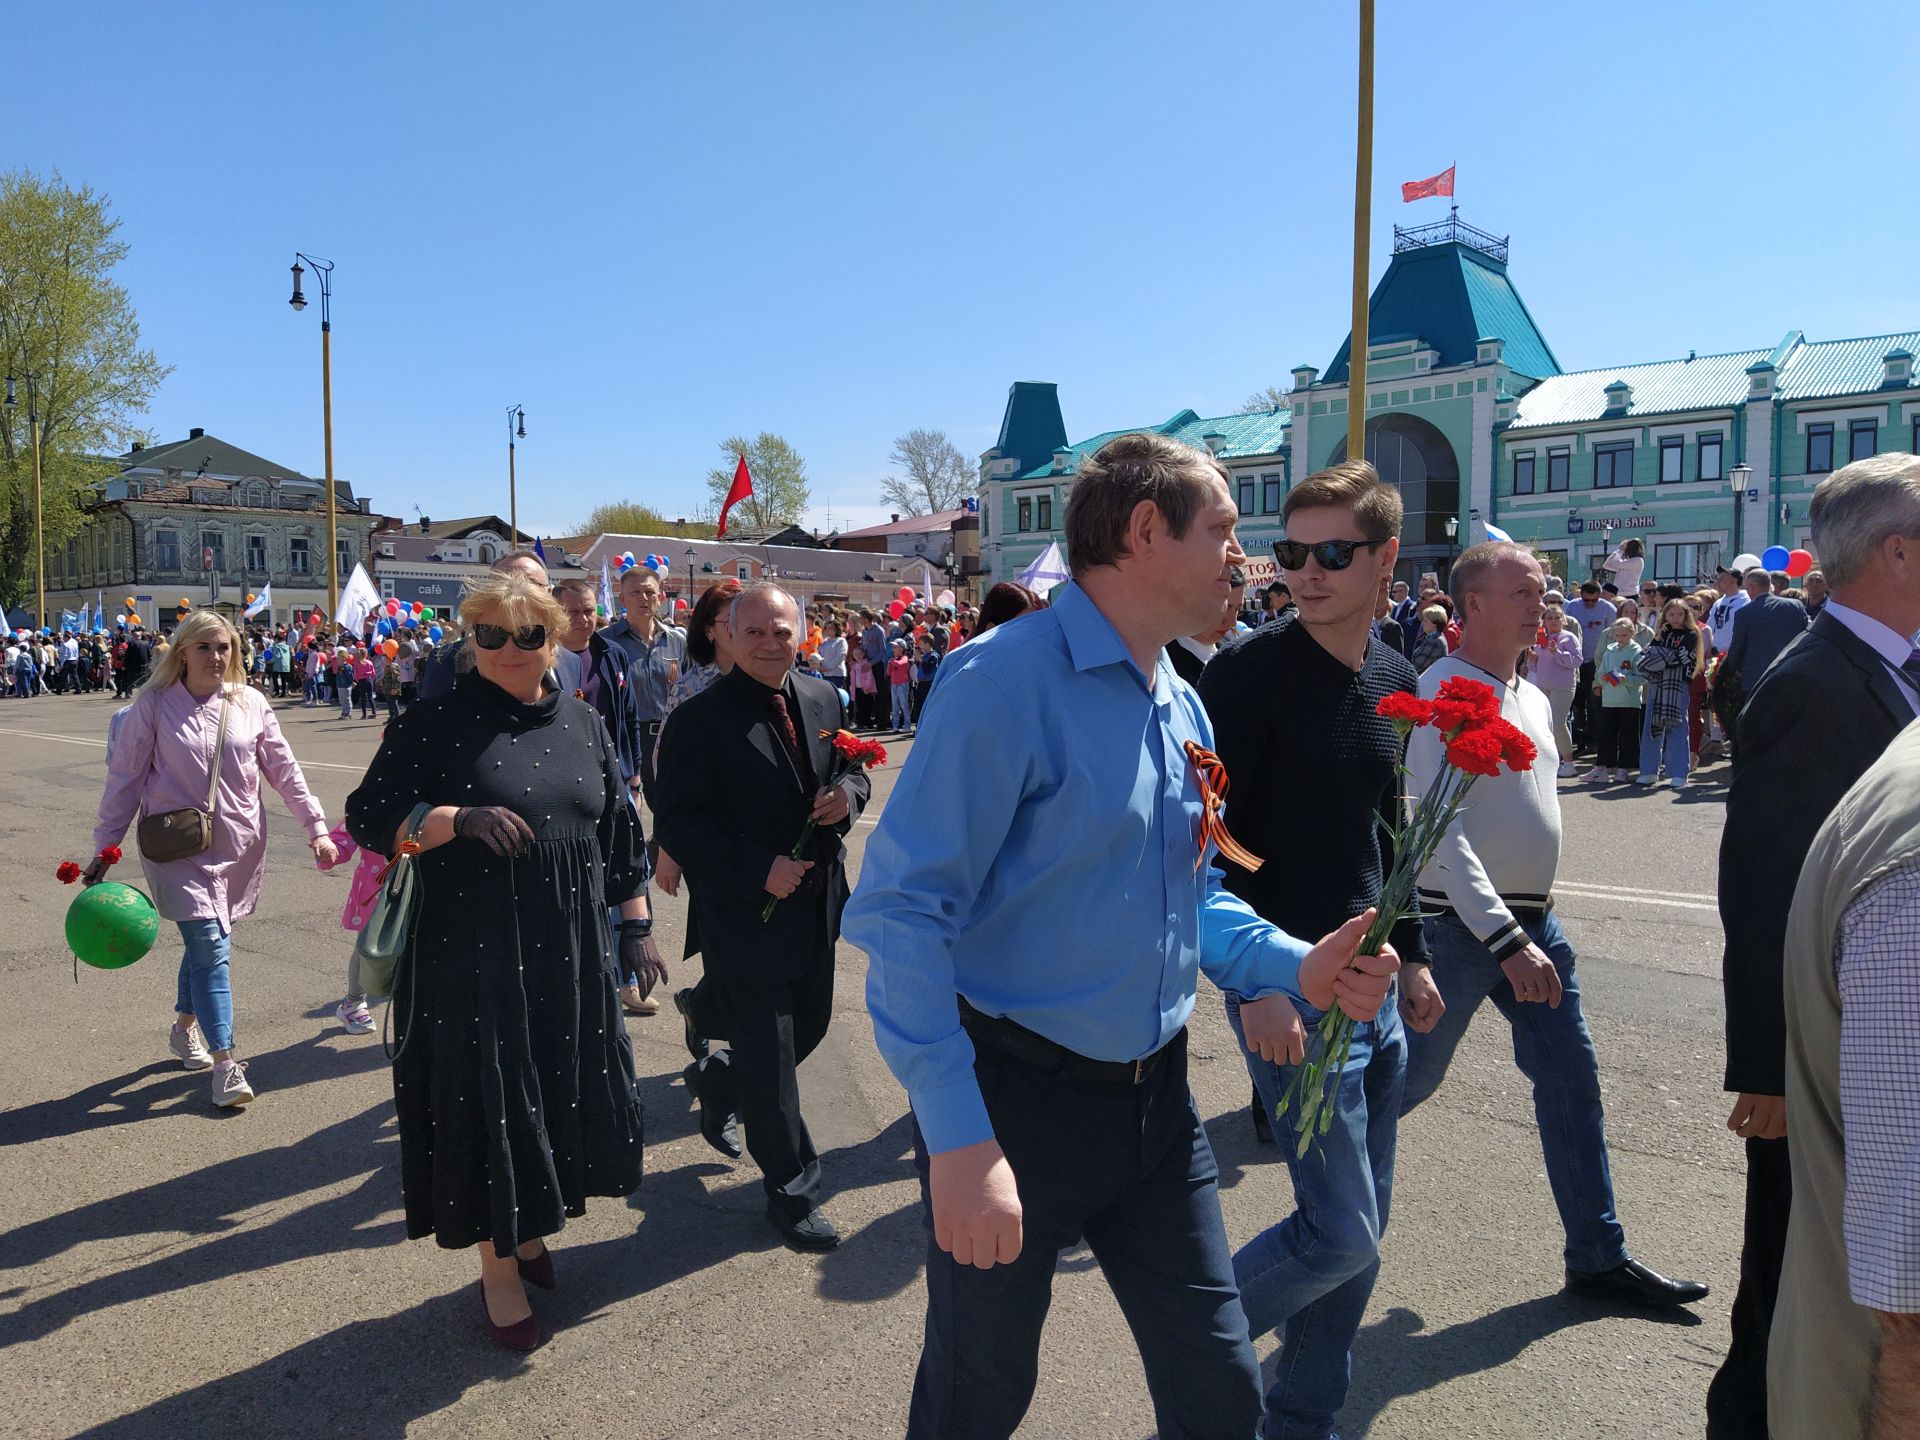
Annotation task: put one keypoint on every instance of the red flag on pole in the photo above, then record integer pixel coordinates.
(742, 488)
(1441, 184)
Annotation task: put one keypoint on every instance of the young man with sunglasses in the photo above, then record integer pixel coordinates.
(1294, 720)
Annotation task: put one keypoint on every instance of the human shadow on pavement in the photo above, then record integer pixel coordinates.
(1394, 1357)
(163, 1089)
(214, 1201)
(409, 1365)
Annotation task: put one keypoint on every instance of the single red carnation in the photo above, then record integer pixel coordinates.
(1404, 709)
(1477, 752)
(1516, 749)
(67, 873)
(1475, 695)
(111, 854)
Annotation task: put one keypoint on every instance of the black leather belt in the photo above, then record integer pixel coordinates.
(1010, 1038)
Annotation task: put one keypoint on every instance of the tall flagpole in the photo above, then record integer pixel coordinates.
(1362, 226)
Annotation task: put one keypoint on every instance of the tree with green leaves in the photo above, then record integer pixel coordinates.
(70, 327)
(934, 476)
(630, 517)
(780, 490)
(1266, 398)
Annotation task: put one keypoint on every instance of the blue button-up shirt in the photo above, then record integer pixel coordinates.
(1037, 857)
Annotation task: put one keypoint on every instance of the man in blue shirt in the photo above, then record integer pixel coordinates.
(1037, 906)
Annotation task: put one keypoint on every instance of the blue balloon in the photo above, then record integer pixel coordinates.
(435, 633)
(413, 622)
(384, 627)
(1775, 557)
(845, 699)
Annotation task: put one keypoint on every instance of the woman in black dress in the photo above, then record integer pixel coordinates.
(515, 1090)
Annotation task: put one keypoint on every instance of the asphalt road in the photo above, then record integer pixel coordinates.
(166, 1269)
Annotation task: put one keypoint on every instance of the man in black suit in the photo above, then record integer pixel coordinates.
(1762, 628)
(739, 776)
(1816, 720)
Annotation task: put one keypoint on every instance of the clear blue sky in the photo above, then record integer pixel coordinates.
(657, 225)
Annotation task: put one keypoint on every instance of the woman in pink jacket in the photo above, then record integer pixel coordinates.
(161, 758)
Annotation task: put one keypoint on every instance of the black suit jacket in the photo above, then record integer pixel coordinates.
(1817, 719)
(1186, 664)
(729, 799)
(1761, 630)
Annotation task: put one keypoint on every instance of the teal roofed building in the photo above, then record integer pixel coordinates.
(1470, 414)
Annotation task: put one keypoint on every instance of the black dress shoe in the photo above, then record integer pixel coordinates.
(1634, 1284)
(811, 1231)
(719, 1126)
(1262, 1123)
(696, 1042)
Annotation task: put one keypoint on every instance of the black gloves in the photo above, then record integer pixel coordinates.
(494, 826)
(639, 956)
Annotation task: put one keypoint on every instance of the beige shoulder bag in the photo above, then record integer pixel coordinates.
(180, 833)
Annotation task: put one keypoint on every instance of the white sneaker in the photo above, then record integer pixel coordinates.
(1679, 784)
(355, 1016)
(230, 1087)
(1566, 770)
(189, 1047)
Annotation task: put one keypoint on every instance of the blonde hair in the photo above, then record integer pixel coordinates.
(172, 664)
(508, 598)
(1435, 616)
(1554, 612)
(1689, 626)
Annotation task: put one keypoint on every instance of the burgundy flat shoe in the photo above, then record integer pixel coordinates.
(539, 1270)
(522, 1335)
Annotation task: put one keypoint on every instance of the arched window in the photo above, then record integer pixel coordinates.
(1416, 458)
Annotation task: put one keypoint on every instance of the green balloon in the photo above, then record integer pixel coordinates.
(427, 614)
(111, 925)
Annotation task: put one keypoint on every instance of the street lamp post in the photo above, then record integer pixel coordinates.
(691, 557)
(324, 269)
(1737, 479)
(516, 425)
(1453, 538)
(33, 437)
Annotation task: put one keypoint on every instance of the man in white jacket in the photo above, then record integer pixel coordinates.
(1493, 935)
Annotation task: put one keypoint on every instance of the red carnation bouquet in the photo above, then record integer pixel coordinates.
(69, 871)
(1477, 742)
(850, 753)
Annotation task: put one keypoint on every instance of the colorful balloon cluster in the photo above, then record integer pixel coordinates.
(656, 563)
(1778, 557)
(898, 606)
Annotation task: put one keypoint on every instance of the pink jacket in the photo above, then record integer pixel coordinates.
(364, 888)
(1556, 664)
(160, 760)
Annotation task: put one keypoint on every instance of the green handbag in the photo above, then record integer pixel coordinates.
(385, 938)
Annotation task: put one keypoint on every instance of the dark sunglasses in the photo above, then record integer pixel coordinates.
(495, 637)
(1328, 554)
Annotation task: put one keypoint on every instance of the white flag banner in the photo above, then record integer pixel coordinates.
(1047, 571)
(262, 601)
(925, 587)
(606, 589)
(359, 600)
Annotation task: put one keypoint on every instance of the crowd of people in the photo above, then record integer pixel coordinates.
(1030, 980)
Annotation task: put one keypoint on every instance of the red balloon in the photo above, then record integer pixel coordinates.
(418, 607)
(906, 594)
(1799, 562)
(393, 607)
(895, 610)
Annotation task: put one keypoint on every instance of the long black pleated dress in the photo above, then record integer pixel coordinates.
(515, 1091)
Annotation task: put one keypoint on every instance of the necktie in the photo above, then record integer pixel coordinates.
(783, 722)
(1911, 669)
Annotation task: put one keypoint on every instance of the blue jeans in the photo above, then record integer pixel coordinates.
(1314, 1271)
(1554, 1050)
(1670, 745)
(204, 991)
